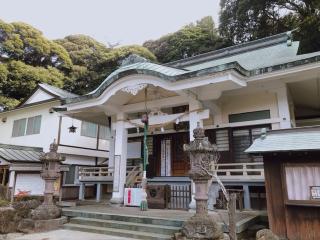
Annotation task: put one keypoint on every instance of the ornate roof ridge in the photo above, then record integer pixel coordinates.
(233, 50)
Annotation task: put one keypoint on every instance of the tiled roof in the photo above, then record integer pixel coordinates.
(13, 153)
(248, 59)
(295, 139)
(60, 93)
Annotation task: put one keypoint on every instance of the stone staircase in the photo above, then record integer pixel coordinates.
(138, 227)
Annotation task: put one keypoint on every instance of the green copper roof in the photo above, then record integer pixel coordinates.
(295, 139)
(249, 59)
(262, 57)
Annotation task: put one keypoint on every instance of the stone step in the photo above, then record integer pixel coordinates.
(117, 232)
(125, 218)
(140, 227)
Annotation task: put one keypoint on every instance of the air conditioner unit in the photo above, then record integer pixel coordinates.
(132, 196)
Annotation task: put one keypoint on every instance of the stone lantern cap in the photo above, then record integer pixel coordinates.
(200, 143)
(52, 155)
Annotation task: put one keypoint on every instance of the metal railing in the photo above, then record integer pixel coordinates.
(245, 171)
(95, 174)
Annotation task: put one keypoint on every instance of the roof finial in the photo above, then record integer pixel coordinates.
(133, 58)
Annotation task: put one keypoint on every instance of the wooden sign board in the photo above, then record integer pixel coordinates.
(315, 192)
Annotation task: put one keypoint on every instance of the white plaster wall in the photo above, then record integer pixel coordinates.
(38, 96)
(241, 103)
(75, 139)
(79, 160)
(48, 130)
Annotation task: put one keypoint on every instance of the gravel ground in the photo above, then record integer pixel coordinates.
(61, 235)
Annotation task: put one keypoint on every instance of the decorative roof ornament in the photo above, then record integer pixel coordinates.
(134, 89)
(131, 59)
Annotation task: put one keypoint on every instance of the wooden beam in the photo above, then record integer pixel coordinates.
(163, 102)
(164, 119)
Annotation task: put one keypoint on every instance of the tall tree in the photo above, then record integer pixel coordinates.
(26, 59)
(21, 42)
(193, 39)
(93, 61)
(246, 20)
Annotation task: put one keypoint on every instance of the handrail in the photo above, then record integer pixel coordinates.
(131, 175)
(95, 173)
(240, 170)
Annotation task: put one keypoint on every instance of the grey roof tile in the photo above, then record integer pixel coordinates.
(295, 139)
(14, 153)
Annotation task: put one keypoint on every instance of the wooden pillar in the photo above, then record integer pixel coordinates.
(4, 176)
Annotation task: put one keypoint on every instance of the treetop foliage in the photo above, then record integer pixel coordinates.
(192, 39)
(79, 63)
(246, 20)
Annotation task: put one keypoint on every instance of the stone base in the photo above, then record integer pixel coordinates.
(29, 225)
(202, 227)
(46, 212)
(116, 201)
(179, 236)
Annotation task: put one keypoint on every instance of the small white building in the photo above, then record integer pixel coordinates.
(30, 128)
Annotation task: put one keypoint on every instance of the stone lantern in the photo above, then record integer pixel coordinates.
(202, 154)
(50, 173)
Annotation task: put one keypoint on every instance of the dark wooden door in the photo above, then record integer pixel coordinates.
(180, 159)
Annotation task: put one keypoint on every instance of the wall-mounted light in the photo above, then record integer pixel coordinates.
(51, 110)
(4, 119)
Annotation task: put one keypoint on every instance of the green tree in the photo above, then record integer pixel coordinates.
(93, 61)
(8, 103)
(22, 42)
(246, 20)
(23, 78)
(193, 39)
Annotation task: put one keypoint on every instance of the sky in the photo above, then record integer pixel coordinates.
(109, 21)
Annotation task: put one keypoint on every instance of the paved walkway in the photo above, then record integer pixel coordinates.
(68, 235)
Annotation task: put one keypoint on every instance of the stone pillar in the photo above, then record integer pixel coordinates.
(12, 184)
(246, 196)
(202, 153)
(98, 194)
(111, 148)
(82, 191)
(120, 160)
(194, 120)
(50, 173)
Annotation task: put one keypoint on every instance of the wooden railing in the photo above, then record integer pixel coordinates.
(133, 175)
(95, 174)
(241, 171)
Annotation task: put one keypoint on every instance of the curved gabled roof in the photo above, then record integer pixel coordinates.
(156, 70)
(248, 59)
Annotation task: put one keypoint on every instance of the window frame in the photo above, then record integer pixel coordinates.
(86, 135)
(76, 181)
(237, 115)
(24, 130)
(289, 202)
(26, 124)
